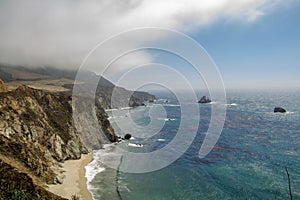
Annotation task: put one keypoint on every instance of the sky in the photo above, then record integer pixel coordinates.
(254, 43)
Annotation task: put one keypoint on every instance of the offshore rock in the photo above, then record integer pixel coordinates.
(204, 99)
(127, 136)
(279, 109)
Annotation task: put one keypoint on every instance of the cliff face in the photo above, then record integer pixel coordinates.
(36, 129)
(92, 122)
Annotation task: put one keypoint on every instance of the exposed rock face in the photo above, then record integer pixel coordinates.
(105, 124)
(92, 123)
(204, 99)
(36, 128)
(3, 86)
(279, 109)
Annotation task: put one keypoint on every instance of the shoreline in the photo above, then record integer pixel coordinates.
(75, 182)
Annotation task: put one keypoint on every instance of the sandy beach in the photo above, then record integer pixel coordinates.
(75, 181)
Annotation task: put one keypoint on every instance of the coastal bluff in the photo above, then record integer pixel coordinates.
(37, 126)
(37, 134)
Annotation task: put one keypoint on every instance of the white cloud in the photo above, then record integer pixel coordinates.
(253, 15)
(61, 33)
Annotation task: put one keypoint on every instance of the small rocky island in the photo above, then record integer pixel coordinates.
(279, 110)
(127, 136)
(204, 99)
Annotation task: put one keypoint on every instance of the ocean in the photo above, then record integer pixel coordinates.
(248, 161)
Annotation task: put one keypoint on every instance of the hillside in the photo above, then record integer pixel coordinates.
(53, 79)
(37, 134)
(37, 130)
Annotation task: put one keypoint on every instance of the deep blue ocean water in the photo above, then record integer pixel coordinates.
(248, 161)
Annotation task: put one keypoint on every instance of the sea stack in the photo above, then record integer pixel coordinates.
(204, 99)
(279, 109)
(127, 136)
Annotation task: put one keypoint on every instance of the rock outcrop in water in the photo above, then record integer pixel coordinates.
(279, 110)
(204, 99)
(127, 136)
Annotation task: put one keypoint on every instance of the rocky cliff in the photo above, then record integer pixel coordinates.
(92, 122)
(38, 129)
(37, 132)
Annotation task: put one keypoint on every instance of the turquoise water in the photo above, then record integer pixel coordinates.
(248, 162)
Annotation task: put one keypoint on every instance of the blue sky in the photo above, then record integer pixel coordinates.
(263, 53)
(256, 54)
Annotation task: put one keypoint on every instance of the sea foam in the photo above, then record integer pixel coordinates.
(96, 166)
(92, 169)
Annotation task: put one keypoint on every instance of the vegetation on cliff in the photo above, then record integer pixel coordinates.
(19, 185)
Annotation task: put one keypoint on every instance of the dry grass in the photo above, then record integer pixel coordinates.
(55, 85)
